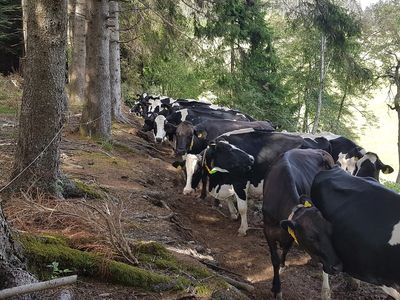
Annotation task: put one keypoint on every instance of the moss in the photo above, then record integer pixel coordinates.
(44, 250)
(88, 190)
(203, 290)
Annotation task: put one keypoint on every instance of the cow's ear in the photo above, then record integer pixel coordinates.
(178, 164)
(170, 128)
(201, 134)
(306, 201)
(286, 224)
(386, 169)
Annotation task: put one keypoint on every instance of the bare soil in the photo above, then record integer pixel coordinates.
(140, 173)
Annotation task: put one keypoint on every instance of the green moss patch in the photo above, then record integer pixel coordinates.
(44, 250)
(88, 190)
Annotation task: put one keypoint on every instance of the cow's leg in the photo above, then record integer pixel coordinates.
(232, 209)
(391, 292)
(286, 244)
(273, 249)
(326, 289)
(241, 197)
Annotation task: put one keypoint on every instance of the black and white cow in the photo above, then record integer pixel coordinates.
(290, 177)
(360, 218)
(236, 164)
(166, 126)
(351, 157)
(194, 138)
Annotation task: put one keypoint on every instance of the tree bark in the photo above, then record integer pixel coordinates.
(78, 61)
(321, 84)
(71, 22)
(96, 115)
(397, 107)
(24, 21)
(115, 66)
(43, 97)
(12, 263)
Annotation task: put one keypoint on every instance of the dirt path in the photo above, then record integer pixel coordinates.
(141, 174)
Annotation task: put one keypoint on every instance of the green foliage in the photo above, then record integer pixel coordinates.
(392, 185)
(56, 271)
(10, 26)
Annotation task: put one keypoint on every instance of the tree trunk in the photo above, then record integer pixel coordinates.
(78, 61)
(43, 96)
(321, 84)
(71, 22)
(12, 264)
(115, 66)
(24, 21)
(96, 115)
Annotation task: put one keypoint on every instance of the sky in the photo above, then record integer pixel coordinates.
(365, 3)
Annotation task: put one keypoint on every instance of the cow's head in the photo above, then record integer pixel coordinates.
(370, 165)
(312, 232)
(192, 167)
(184, 137)
(149, 123)
(163, 128)
(222, 156)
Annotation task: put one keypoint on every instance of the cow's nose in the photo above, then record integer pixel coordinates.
(158, 140)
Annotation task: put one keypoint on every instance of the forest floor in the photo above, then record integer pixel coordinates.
(140, 174)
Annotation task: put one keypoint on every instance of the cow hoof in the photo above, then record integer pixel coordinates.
(279, 296)
(241, 233)
(326, 294)
(282, 269)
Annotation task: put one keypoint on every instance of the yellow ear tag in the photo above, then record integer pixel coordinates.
(291, 232)
(307, 204)
(191, 144)
(200, 135)
(179, 167)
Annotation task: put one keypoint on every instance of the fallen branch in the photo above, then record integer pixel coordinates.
(238, 284)
(35, 287)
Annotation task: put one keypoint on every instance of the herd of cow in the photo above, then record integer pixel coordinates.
(322, 192)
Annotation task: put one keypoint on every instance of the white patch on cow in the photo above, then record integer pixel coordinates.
(175, 104)
(191, 166)
(391, 292)
(326, 289)
(242, 208)
(184, 114)
(160, 122)
(238, 131)
(395, 238)
(236, 148)
(154, 104)
(347, 164)
(256, 192)
(232, 209)
(222, 192)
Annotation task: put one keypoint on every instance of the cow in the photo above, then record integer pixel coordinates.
(290, 177)
(166, 126)
(225, 164)
(350, 156)
(354, 224)
(194, 138)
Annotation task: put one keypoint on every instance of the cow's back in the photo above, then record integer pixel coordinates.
(364, 215)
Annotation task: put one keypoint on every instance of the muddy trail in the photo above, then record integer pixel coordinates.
(141, 174)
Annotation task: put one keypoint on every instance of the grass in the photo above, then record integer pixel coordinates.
(10, 95)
